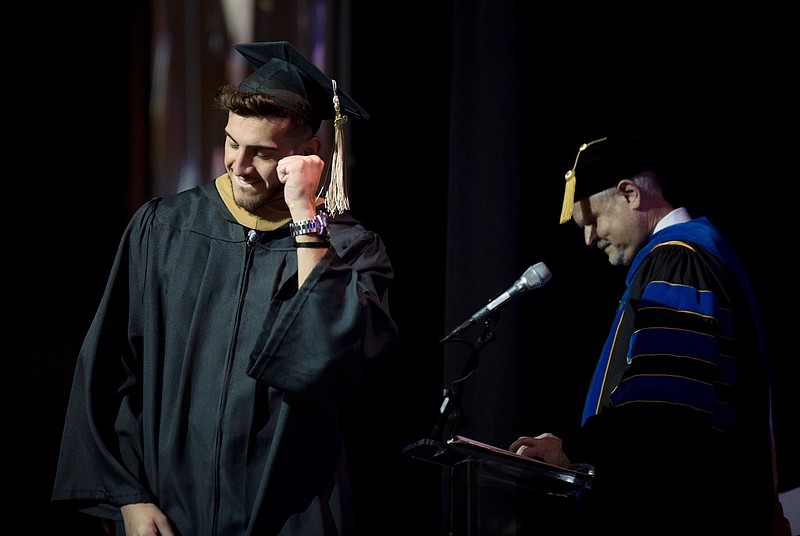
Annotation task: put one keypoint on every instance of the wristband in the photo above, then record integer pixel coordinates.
(324, 244)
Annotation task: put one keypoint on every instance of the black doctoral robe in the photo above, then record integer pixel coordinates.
(677, 421)
(208, 383)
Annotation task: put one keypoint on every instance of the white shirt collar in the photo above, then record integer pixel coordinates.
(679, 215)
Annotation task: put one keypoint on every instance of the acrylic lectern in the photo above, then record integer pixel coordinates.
(494, 492)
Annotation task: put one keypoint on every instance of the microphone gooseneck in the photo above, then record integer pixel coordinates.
(534, 277)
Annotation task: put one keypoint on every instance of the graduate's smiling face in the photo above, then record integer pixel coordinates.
(253, 147)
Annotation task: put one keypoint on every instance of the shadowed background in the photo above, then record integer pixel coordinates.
(476, 107)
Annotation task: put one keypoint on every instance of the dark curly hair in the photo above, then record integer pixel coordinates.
(231, 99)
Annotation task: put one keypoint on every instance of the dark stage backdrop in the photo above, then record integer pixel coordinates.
(475, 108)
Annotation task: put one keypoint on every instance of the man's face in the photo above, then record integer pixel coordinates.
(611, 222)
(253, 147)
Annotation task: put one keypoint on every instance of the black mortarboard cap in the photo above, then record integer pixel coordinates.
(296, 83)
(601, 164)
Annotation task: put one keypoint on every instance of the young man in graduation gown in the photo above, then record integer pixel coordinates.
(238, 315)
(677, 419)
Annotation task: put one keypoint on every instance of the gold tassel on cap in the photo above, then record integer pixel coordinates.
(336, 200)
(569, 196)
(569, 186)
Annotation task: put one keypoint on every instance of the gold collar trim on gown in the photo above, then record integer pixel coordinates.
(276, 213)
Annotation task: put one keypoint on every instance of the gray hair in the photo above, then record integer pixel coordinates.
(646, 181)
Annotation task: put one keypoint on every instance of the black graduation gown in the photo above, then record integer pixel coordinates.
(681, 442)
(208, 383)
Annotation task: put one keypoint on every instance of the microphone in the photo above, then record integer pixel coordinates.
(534, 277)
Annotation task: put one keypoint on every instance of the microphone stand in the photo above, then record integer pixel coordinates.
(450, 411)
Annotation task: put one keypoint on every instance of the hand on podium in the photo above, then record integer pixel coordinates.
(545, 447)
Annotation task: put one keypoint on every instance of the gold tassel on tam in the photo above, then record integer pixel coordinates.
(336, 200)
(569, 197)
(569, 186)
